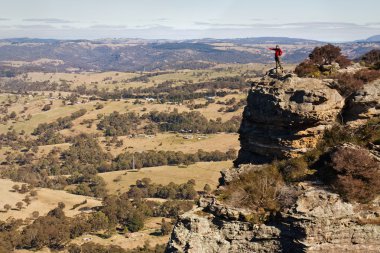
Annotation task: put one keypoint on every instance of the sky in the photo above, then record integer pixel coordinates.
(327, 20)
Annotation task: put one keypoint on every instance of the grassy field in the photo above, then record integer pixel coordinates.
(118, 181)
(133, 240)
(111, 80)
(177, 142)
(202, 172)
(45, 200)
(33, 106)
(148, 233)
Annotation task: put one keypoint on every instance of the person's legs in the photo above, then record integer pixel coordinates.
(279, 65)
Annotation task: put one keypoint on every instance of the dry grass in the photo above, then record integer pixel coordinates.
(152, 225)
(134, 240)
(202, 172)
(45, 200)
(170, 141)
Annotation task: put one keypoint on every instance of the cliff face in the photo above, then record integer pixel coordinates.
(286, 117)
(319, 221)
(282, 119)
(364, 104)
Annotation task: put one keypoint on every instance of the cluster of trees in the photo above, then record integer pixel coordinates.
(320, 61)
(232, 105)
(88, 185)
(85, 158)
(144, 188)
(14, 140)
(169, 92)
(372, 59)
(117, 214)
(90, 247)
(153, 158)
(47, 132)
(53, 230)
(130, 215)
(85, 152)
(193, 122)
(164, 92)
(119, 124)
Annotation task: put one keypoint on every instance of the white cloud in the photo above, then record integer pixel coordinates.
(48, 20)
(325, 31)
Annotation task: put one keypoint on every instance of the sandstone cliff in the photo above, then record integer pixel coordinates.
(319, 222)
(284, 118)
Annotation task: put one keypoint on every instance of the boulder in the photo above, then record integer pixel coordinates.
(364, 104)
(285, 117)
(319, 221)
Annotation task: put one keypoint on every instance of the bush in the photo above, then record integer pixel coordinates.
(367, 75)
(170, 191)
(352, 172)
(307, 69)
(173, 208)
(256, 189)
(295, 169)
(90, 247)
(348, 83)
(372, 58)
(320, 57)
(135, 222)
(166, 227)
(343, 61)
(325, 55)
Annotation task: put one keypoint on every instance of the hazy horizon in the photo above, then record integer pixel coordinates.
(334, 21)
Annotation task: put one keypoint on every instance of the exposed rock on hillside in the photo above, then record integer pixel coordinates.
(364, 104)
(318, 222)
(286, 117)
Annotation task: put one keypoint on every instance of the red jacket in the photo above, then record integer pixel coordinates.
(278, 51)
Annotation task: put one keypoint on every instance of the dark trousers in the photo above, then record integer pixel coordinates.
(278, 64)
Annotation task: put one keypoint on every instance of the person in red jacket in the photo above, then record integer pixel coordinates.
(277, 55)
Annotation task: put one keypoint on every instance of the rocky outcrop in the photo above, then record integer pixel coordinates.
(364, 104)
(319, 221)
(285, 117)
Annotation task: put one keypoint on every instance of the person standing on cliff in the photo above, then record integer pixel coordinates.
(277, 54)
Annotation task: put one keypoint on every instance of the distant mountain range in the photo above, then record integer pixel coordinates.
(254, 40)
(138, 54)
(375, 38)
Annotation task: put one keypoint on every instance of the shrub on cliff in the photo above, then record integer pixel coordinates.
(295, 169)
(328, 54)
(307, 69)
(367, 75)
(319, 59)
(352, 172)
(372, 59)
(256, 189)
(363, 136)
(347, 83)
